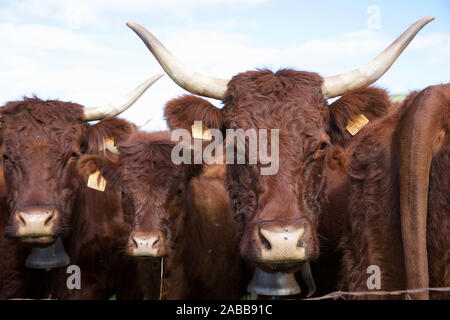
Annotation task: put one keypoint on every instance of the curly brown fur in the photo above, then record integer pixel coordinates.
(372, 102)
(292, 102)
(373, 235)
(191, 210)
(41, 142)
(179, 113)
(190, 206)
(427, 125)
(311, 183)
(38, 139)
(98, 228)
(438, 223)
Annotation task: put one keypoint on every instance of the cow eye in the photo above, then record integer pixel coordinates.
(7, 161)
(323, 145)
(75, 155)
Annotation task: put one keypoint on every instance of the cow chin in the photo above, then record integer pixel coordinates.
(38, 240)
(34, 225)
(286, 264)
(285, 267)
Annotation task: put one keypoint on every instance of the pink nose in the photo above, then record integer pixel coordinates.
(36, 223)
(281, 243)
(147, 244)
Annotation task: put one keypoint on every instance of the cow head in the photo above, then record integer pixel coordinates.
(286, 206)
(153, 191)
(41, 142)
(278, 214)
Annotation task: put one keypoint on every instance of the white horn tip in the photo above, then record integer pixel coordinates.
(425, 20)
(112, 110)
(131, 24)
(337, 85)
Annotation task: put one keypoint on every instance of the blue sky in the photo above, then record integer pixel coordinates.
(82, 51)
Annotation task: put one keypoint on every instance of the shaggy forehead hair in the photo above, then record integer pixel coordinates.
(263, 99)
(148, 156)
(44, 112)
(36, 120)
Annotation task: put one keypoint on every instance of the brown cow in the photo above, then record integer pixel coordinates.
(398, 168)
(97, 229)
(278, 214)
(179, 216)
(41, 142)
(375, 105)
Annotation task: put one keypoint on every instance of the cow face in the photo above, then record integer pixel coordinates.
(278, 214)
(153, 192)
(152, 195)
(41, 141)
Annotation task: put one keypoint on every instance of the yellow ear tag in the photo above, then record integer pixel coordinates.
(108, 142)
(95, 183)
(198, 132)
(356, 124)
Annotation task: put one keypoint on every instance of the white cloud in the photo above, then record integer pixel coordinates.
(422, 42)
(436, 45)
(96, 67)
(78, 13)
(42, 37)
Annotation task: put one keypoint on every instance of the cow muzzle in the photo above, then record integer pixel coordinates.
(147, 244)
(36, 225)
(281, 243)
(282, 246)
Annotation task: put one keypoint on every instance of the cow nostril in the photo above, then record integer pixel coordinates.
(156, 242)
(264, 241)
(22, 220)
(135, 244)
(50, 217)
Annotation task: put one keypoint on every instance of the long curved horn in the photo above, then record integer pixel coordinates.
(111, 110)
(187, 79)
(421, 131)
(338, 85)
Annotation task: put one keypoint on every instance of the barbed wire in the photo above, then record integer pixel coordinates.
(408, 292)
(341, 294)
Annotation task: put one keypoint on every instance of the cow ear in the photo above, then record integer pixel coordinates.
(181, 113)
(354, 110)
(107, 133)
(108, 167)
